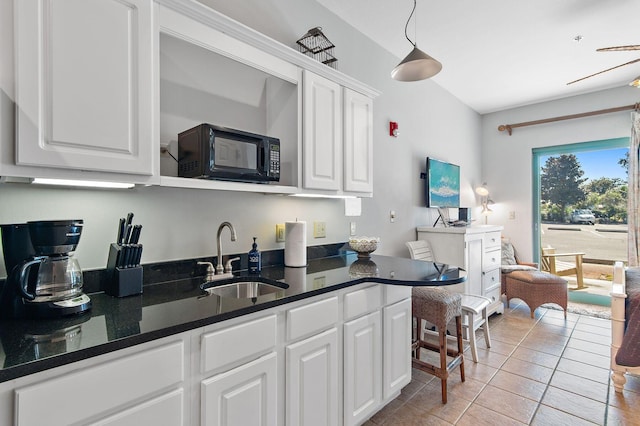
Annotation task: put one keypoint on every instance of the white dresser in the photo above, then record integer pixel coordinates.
(475, 249)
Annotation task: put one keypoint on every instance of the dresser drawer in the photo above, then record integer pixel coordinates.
(491, 240)
(491, 259)
(493, 295)
(490, 280)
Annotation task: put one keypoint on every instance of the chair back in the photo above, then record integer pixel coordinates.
(421, 250)
(548, 263)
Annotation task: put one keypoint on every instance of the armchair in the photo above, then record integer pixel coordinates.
(510, 262)
(562, 268)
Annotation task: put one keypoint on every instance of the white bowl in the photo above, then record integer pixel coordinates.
(364, 246)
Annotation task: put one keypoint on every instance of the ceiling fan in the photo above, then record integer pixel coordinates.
(635, 83)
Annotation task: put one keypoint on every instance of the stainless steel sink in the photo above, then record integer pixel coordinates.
(244, 289)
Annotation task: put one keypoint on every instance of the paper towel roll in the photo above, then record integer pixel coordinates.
(295, 244)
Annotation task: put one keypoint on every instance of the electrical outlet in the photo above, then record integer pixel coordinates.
(352, 228)
(512, 215)
(279, 232)
(319, 230)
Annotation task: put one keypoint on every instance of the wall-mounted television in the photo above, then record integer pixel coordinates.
(442, 184)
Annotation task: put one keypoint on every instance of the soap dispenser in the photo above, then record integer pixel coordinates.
(255, 259)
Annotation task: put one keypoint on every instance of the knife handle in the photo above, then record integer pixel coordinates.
(121, 228)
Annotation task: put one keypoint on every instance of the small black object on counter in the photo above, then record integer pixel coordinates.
(123, 264)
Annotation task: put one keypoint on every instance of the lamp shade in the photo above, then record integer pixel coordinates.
(416, 66)
(482, 190)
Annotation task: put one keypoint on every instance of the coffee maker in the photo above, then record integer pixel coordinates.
(44, 280)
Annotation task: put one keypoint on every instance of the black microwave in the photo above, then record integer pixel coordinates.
(215, 152)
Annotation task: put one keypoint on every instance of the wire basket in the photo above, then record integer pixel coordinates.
(317, 46)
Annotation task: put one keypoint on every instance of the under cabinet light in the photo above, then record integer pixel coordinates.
(83, 183)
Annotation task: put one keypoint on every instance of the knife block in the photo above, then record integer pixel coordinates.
(122, 282)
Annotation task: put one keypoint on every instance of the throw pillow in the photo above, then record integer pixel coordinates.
(508, 254)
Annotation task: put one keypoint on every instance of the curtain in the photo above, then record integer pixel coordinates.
(633, 219)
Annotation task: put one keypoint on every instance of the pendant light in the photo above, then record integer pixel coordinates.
(417, 65)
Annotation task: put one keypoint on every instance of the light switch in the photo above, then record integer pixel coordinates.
(392, 216)
(280, 233)
(319, 230)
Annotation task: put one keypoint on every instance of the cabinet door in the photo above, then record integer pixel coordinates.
(362, 368)
(358, 142)
(396, 371)
(322, 127)
(245, 395)
(84, 84)
(312, 380)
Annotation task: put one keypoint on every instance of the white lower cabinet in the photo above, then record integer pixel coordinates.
(312, 380)
(245, 395)
(362, 368)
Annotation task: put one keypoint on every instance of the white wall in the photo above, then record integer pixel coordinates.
(507, 159)
(181, 223)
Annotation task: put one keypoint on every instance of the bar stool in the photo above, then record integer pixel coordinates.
(439, 307)
(472, 305)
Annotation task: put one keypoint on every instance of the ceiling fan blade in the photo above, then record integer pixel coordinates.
(619, 48)
(602, 72)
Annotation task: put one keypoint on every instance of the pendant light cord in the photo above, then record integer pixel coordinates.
(407, 24)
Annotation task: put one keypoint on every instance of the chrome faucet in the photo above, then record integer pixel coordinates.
(219, 268)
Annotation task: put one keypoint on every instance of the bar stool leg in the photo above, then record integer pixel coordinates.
(460, 347)
(472, 335)
(442, 334)
(485, 328)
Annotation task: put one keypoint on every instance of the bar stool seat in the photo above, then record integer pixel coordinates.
(472, 307)
(439, 307)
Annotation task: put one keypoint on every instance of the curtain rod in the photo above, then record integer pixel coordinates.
(509, 127)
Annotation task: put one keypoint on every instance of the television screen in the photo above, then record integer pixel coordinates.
(442, 185)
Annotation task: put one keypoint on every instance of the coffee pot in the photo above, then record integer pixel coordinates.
(47, 282)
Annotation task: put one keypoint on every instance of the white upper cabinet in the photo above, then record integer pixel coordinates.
(84, 84)
(322, 128)
(338, 137)
(358, 142)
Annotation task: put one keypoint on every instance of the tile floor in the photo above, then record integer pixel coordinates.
(541, 371)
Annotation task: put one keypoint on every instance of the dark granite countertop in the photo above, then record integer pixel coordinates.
(169, 307)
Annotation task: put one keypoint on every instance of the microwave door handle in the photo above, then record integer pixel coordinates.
(262, 157)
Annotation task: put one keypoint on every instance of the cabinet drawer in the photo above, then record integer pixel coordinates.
(113, 384)
(312, 318)
(240, 342)
(360, 302)
(491, 259)
(395, 293)
(493, 295)
(490, 280)
(491, 239)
